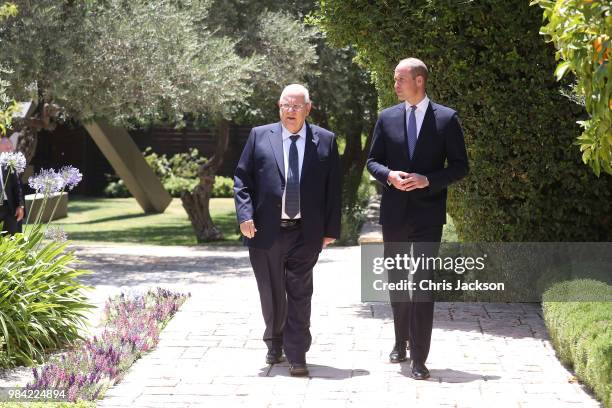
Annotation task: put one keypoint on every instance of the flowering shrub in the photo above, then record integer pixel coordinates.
(41, 301)
(132, 327)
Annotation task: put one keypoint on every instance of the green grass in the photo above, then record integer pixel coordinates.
(121, 220)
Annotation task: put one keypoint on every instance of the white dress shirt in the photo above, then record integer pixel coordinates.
(419, 113)
(300, 144)
(2, 187)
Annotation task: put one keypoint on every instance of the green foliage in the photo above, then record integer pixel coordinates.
(582, 33)
(176, 185)
(353, 214)
(42, 305)
(177, 173)
(581, 332)
(488, 61)
(135, 62)
(272, 33)
(116, 188)
(7, 107)
(7, 10)
(223, 187)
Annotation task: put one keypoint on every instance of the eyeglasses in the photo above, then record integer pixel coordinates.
(288, 107)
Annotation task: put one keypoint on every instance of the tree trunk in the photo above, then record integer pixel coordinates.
(197, 202)
(27, 142)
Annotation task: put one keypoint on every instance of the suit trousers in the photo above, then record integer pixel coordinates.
(284, 280)
(8, 220)
(413, 311)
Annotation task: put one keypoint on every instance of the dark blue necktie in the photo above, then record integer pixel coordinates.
(412, 131)
(292, 191)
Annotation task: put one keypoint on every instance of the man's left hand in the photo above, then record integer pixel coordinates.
(327, 241)
(19, 214)
(414, 181)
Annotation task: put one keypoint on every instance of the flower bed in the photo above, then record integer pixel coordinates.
(132, 327)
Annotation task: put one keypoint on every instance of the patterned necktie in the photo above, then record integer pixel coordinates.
(292, 191)
(412, 131)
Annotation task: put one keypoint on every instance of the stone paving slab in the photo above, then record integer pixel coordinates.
(211, 353)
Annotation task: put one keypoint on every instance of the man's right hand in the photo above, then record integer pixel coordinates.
(248, 228)
(396, 179)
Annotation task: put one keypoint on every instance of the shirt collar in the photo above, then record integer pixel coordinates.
(421, 106)
(287, 134)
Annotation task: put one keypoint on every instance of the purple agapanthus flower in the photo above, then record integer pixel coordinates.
(15, 161)
(47, 182)
(71, 175)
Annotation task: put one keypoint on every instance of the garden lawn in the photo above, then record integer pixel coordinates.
(121, 220)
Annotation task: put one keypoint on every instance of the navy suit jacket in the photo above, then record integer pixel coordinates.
(259, 182)
(439, 154)
(14, 192)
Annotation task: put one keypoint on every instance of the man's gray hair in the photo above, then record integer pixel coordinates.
(296, 88)
(417, 67)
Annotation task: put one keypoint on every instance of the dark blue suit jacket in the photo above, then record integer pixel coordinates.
(259, 182)
(14, 192)
(439, 154)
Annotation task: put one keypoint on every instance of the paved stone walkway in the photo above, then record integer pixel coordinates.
(211, 355)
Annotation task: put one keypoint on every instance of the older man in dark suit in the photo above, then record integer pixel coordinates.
(11, 199)
(417, 152)
(287, 194)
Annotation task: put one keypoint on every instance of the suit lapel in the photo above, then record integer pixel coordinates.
(275, 136)
(428, 127)
(399, 120)
(310, 152)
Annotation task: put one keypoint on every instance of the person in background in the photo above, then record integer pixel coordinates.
(12, 201)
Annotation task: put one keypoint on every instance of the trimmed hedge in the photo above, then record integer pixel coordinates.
(488, 61)
(581, 332)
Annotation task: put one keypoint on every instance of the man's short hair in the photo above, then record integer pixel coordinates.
(296, 88)
(417, 67)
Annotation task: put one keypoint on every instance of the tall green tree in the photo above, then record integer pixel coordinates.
(7, 104)
(344, 99)
(133, 63)
(488, 61)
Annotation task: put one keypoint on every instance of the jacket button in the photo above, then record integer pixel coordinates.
(278, 206)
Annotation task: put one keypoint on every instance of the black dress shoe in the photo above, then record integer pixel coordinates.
(399, 353)
(274, 356)
(298, 370)
(419, 371)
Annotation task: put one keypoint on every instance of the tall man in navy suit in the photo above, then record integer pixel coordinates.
(417, 151)
(287, 193)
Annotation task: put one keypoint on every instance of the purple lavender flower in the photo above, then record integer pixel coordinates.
(56, 234)
(15, 161)
(47, 182)
(71, 175)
